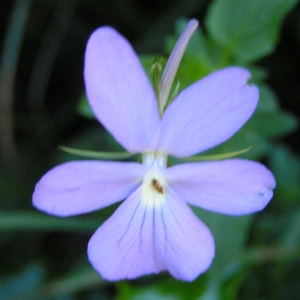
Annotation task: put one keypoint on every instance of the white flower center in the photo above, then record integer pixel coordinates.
(154, 182)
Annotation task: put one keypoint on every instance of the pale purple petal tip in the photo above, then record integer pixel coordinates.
(208, 112)
(83, 186)
(233, 187)
(142, 239)
(119, 91)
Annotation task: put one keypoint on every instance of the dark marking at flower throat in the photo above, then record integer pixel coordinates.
(157, 186)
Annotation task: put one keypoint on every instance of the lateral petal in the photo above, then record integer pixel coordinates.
(208, 112)
(119, 91)
(233, 187)
(79, 187)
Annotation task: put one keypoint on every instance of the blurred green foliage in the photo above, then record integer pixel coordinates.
(257, 256)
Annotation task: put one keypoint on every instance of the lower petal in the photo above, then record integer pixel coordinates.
(143, 238)
(184, 245)
(233, 187)
(83, 186)
(122, 248)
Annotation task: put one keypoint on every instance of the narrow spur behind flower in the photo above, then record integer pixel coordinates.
(154, 229)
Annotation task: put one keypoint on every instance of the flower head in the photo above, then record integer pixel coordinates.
(154, 229)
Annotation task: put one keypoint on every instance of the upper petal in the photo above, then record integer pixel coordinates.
(233, 187)
(208, 112)
(119, 91)
(79, 187)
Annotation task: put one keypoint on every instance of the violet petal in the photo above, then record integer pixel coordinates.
(233, 187)
(83, 186)
(208, 112)
(119, 91)
(141, 239)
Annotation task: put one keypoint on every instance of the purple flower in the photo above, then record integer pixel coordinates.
(154, 229)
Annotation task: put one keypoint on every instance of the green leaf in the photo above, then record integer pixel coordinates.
(248, 30)
(286, 168)
(230, 234)
(92, 138)
(291, 238)
(268, 101)
(258, 74)
(213, 291)
(12, 221)
(84, 108)
(18, 284)
(162, 287)
(259, 255)
(244, 138)
(71, 283)
(272, 124)
(150, 293)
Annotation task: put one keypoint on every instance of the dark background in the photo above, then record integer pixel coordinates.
(41, 89)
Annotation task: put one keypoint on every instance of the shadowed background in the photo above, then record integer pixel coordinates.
(42, 106)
